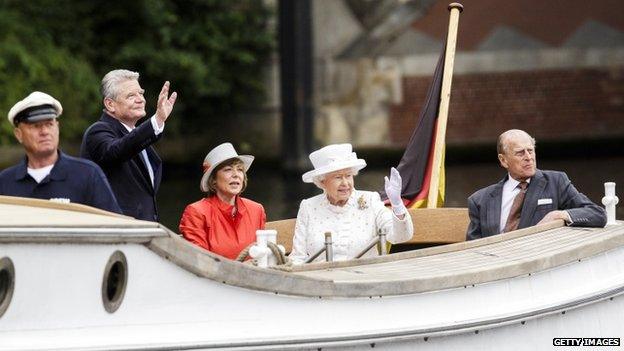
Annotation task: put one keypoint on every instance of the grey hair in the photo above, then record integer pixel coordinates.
(317, 181)
(501, 145)
(319, 178)
(112, 79)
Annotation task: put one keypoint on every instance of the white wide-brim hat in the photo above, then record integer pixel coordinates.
(333, 158)
(35, 107)
(216, 156)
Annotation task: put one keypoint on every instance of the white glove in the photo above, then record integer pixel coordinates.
(393, 190)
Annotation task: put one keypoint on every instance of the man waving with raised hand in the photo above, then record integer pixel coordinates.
(124, 149)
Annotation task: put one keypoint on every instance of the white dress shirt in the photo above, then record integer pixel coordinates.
(353, 226)
(157, 131)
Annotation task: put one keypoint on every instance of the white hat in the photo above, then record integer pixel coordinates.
(35, 107)
(216, 156)
(333, 158)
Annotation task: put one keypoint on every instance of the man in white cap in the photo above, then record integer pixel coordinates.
(46, 172)
(122, 148)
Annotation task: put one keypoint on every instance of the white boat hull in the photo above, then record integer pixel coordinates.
(514, 291)
(57, 305)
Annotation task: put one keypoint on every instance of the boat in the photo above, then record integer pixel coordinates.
(77, 278)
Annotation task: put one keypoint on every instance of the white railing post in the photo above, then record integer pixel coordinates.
(329, 249)
(609, 201)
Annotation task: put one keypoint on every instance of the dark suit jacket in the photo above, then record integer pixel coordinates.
(117, 151)
(484, 206)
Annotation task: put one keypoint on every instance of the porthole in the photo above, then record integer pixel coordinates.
(115, 281)
(7, 283)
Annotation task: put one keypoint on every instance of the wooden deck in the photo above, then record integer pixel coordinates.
(503, 259)
(503, 256)
(41, 221)
(50, 213)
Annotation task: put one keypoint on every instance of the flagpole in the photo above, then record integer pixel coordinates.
(445, 97)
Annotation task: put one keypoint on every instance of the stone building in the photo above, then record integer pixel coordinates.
(554, 68)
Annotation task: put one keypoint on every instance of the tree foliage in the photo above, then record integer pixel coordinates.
(212, 52)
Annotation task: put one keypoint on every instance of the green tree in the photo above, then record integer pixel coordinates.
(212, 52)
(30, 61)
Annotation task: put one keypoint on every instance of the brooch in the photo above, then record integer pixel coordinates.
(362, 205)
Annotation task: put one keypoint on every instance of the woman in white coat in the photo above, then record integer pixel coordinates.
(354, 217)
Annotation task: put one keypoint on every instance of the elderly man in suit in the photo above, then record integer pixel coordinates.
(123, 149)
(527, 196)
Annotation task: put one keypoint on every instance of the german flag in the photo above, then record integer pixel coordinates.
(416, 164)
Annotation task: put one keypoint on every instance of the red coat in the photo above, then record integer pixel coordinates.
(209, 224)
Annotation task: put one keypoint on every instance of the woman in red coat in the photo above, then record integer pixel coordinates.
(223, 222)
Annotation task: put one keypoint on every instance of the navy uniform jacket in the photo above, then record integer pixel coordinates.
(109, 144)
(552, 187)
(80, 181)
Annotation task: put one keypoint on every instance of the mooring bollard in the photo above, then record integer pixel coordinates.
(260, 251)
(609, 201)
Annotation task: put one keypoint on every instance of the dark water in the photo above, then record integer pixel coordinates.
(280, 194)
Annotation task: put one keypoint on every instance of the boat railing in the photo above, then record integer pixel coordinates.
(327, 248)
(432, 226)
(379, 240)
(329, 252)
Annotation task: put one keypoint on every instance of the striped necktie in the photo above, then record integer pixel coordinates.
(516, 209)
